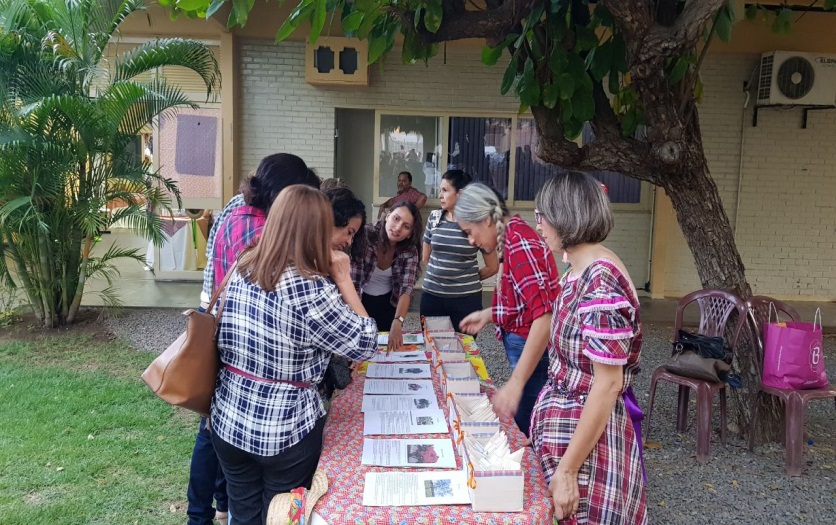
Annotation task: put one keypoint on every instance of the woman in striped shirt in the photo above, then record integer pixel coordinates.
(453, 280)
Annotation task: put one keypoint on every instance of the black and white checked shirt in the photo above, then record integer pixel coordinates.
(288, 334)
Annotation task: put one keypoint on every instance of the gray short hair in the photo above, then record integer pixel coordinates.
(478, 202)
(577, 207)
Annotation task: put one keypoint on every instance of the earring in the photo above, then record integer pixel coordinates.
(565, 257)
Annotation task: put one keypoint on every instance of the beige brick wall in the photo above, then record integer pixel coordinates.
(786, 214)
(280, 112)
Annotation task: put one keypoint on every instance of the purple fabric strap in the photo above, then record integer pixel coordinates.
(636, 416)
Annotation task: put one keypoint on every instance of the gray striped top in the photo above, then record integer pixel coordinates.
(453, 270)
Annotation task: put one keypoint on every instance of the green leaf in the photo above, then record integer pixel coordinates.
(490, 55)
(583, 105)
(242, 10)
(604, 16)
(432, 17)
(566, 84)
(510, 75)
(586, 38)
(723, 23)
(377, 45)
(566, 111)
(213, 7)
(189, 5)
(353, 21)
(573, 128)
(528, 88)
(679, 70)
(619, 53)
(551, 94)
(602, 62)
(558, 61)
(629, 123)
(296, 16)
(752, 12)
(783, 21)
(365, 6)
(317, 20)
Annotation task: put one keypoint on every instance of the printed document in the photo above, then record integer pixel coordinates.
(389, 403)
(395, 387)
(404, 422)
(399, 371)
(406, 489)
(413, 453)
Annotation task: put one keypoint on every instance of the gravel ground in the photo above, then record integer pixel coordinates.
(734, 487)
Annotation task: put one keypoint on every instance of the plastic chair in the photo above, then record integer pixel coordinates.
(795, 401)
(716, 308)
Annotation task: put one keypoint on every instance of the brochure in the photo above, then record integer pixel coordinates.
(405, 422)
(390, 403)
(412, 453)
(396, 387)
(404, 489)
(399, 371)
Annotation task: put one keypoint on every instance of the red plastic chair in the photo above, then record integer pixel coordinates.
(795, 401)
(716, 308)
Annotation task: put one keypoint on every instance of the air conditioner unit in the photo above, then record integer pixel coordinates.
(802, 79)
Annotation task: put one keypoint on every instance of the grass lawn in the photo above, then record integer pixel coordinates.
(82, 439)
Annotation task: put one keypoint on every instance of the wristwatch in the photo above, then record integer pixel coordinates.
(399, 318)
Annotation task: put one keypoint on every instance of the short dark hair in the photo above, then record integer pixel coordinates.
(575, 205)
(275, 173)
(458, 178)
(408, 175)
(346, 206)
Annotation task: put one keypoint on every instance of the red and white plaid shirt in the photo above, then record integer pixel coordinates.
(529, 284)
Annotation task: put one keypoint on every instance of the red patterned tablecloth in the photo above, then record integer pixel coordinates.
(342, 450)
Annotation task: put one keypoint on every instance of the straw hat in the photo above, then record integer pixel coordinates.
(277, 514)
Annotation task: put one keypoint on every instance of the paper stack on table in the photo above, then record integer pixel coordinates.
(399, 357)
(405, 422)
(399, 489)
(414, 453)
(399, 371)
(391, 387)
(390, 403)
(408, 339)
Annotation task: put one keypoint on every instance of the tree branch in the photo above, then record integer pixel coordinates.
(610, 151)
(493, 24)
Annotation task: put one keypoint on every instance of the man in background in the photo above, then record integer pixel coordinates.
(405, 193)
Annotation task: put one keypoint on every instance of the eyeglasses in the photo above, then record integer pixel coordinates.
(538, 217)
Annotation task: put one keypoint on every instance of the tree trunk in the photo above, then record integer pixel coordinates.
(710, 237)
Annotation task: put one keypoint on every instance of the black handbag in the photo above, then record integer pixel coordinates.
(337, 376)
(700, 357)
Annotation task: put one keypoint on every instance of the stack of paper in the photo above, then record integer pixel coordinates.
(390, 387)
(404, 422)
(414, 453)
(399, 357)
(398, 489)
(399, 371)
(475, 408)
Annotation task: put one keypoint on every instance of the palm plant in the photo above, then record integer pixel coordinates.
(66, 126)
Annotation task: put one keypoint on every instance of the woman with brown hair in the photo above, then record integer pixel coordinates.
(281, 321)
(387, 272)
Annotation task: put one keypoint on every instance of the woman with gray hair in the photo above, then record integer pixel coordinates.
(581, 427)
(523, 300)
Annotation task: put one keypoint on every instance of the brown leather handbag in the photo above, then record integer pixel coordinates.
(186, 372)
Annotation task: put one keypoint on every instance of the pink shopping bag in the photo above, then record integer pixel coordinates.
(793, 357)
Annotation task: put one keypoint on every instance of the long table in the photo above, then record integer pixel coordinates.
(341, 454)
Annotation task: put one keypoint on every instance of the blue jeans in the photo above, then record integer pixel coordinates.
(514, 345)
(206, 480)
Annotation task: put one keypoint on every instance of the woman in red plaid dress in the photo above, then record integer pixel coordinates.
(580, 426)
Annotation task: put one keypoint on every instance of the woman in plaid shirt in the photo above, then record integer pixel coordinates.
(386, 274)
(282, 319)
(523, 300)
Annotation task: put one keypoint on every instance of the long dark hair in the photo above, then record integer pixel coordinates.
(275, 173)
(414, 238)
(346, 206)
